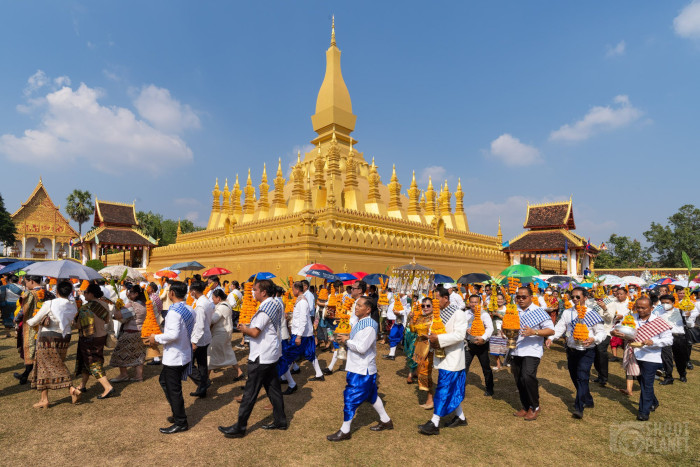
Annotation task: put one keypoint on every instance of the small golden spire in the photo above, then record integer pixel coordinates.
(264, 174)
(413, 181)
(179, 229)
(216, 184)
(350, 144)
(373, 161)
(236, 184)
(279, 168)
(334, 139)
(500, 235)
(249, 181)
(333, 31)
(298, 156)
(430, 182)
(459, 184)
(226, 185)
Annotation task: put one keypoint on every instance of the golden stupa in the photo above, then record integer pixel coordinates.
(334, 210)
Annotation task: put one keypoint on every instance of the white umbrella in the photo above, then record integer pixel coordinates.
(611, 279)
(684, 283)
(62, 269)
(116, 272)
(634, 280)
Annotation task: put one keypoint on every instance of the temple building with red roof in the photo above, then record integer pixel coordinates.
(549, 235)
(116, 228)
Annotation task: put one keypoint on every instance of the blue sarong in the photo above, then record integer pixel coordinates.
(449, 392)
(359, 388)
(291, 352)
(395, 335)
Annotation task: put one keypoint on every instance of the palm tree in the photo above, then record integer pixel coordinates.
(79, 208)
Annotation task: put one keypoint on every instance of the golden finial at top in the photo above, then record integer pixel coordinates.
(333, 31)
(298, 156)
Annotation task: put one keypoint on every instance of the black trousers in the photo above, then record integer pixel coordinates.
(678, 352)
(600, 363)
(482, 353)
(647, 398)
(525, 373)
(262, 375)
(200, 358)
(579, 363)
(171, 382)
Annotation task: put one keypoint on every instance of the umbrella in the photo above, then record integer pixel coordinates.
(360, 275)
(473, 278)
(188, 266)
(634, 280)
(373, 279)
(664, 281)
(116, 272)
(519, 270)
(346, 277)
(560, 279)
(165, 273)
(611, 279)
(682, 283)
(16, 266)
(216, 272)
(442, 279)
(8, 260)
(314, 266)
(63, 269)
(260, 276)
(321, 274)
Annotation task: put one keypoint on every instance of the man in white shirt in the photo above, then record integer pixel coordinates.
(265, 352)
(535, 325)
(397, 319)
(648, 353)
(449, 392)
(357, 290)
(235, 299)
(177, 354)
(361, 370)
(619, 308)
(310, 299)
(201, 337)
(455, 298)
(579, 356)
(678, 351)
(302, 341)
(478, 346)
(213, 282)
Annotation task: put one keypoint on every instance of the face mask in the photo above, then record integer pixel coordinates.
(549, 292)
(668, 307)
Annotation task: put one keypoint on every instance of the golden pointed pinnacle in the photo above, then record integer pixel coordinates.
(413, 181)
(279, 168)
(333, 31)
(236, 184)
(334, 140)
(446, 188)
(459, 184)
(264, 174)
(298, 156)
(394, 178)
(373, 162)
(430, 182)
(351, 145)
(499, 226)
(249, 182)
(226, 185)
(216, 184)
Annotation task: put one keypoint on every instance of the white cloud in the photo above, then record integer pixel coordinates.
(436, 172)
(599, 119)
(192, 216)
(512, 152)
(35, 82)
(687, 23)
(617, 50)
(163, 111)
(75, 128)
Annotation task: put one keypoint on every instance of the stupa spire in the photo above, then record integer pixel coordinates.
(216, 194)
(236, 198)
(278, 205)
(249, 201)
(394, 195)
(499, 235)
(333, 31)
(413, 197)
(446, 201)
(430, 198)
(227, 198)
(263, 203)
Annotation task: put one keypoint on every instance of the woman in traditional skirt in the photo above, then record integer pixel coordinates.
(54, 320)
(498, 344)
(130, 350)
(421, 352)
(92, 322)
(409, 343)
(220, 352)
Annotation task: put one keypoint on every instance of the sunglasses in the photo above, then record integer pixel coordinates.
(521, 297)
(426, 306)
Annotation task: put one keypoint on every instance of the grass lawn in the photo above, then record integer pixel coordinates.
(124, 430)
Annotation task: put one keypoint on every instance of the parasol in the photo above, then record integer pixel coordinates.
(187, 266)
(16, 266)
(116, 273)
(560, 279)
(258, 276)
(321, 274)
(63, 269)
(314, 266)
(373, 279)
(442, 279)
(473, 278)
(519, 270)
(215, 272)
(166, 273)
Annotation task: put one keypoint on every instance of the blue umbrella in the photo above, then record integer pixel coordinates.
(322, 274)
(8, 260)
(260, 276)
(442, 279)
(373, 279)
(346, 276)
(188, 266)
(16, 266)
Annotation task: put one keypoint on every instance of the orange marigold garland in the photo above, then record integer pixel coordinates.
(581, 330)
(511, 320)
(249, 306)
(150, 327)
(477, 329)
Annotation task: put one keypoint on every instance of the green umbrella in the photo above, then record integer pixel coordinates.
(519, 270)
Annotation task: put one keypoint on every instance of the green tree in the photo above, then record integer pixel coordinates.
(682, 234)
(7, 227)
(79, 208)
(623, 253)
(163, 230)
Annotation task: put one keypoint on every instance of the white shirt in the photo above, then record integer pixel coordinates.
(691, 319)
(211, 292)
(452, 342)
(266, 346)
(235, 297)
(390, 313)
(108, 292)
(203, 310)
(301, 319)
(312, 302)
(652, 353)
(541, 301)
(457, 300)
(562, 327)
(531, 346)
(488, 325)
(177, 348)
(362, 352)
(674, 318)
(61, 312)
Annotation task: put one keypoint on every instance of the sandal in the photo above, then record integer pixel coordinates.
(75, 394)
(119, 380)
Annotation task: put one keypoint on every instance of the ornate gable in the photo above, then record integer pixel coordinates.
(39, 216)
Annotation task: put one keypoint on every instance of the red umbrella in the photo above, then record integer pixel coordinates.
(314, 267)
(360, 275)
(166, 273)
(216, 272)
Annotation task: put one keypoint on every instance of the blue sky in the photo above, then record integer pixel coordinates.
(525, 101)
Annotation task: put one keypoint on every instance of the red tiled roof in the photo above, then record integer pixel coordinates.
(548, 240)
(114, 213)
(122, 237)
(552, 215)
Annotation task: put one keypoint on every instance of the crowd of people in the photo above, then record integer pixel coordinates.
(196, 320)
